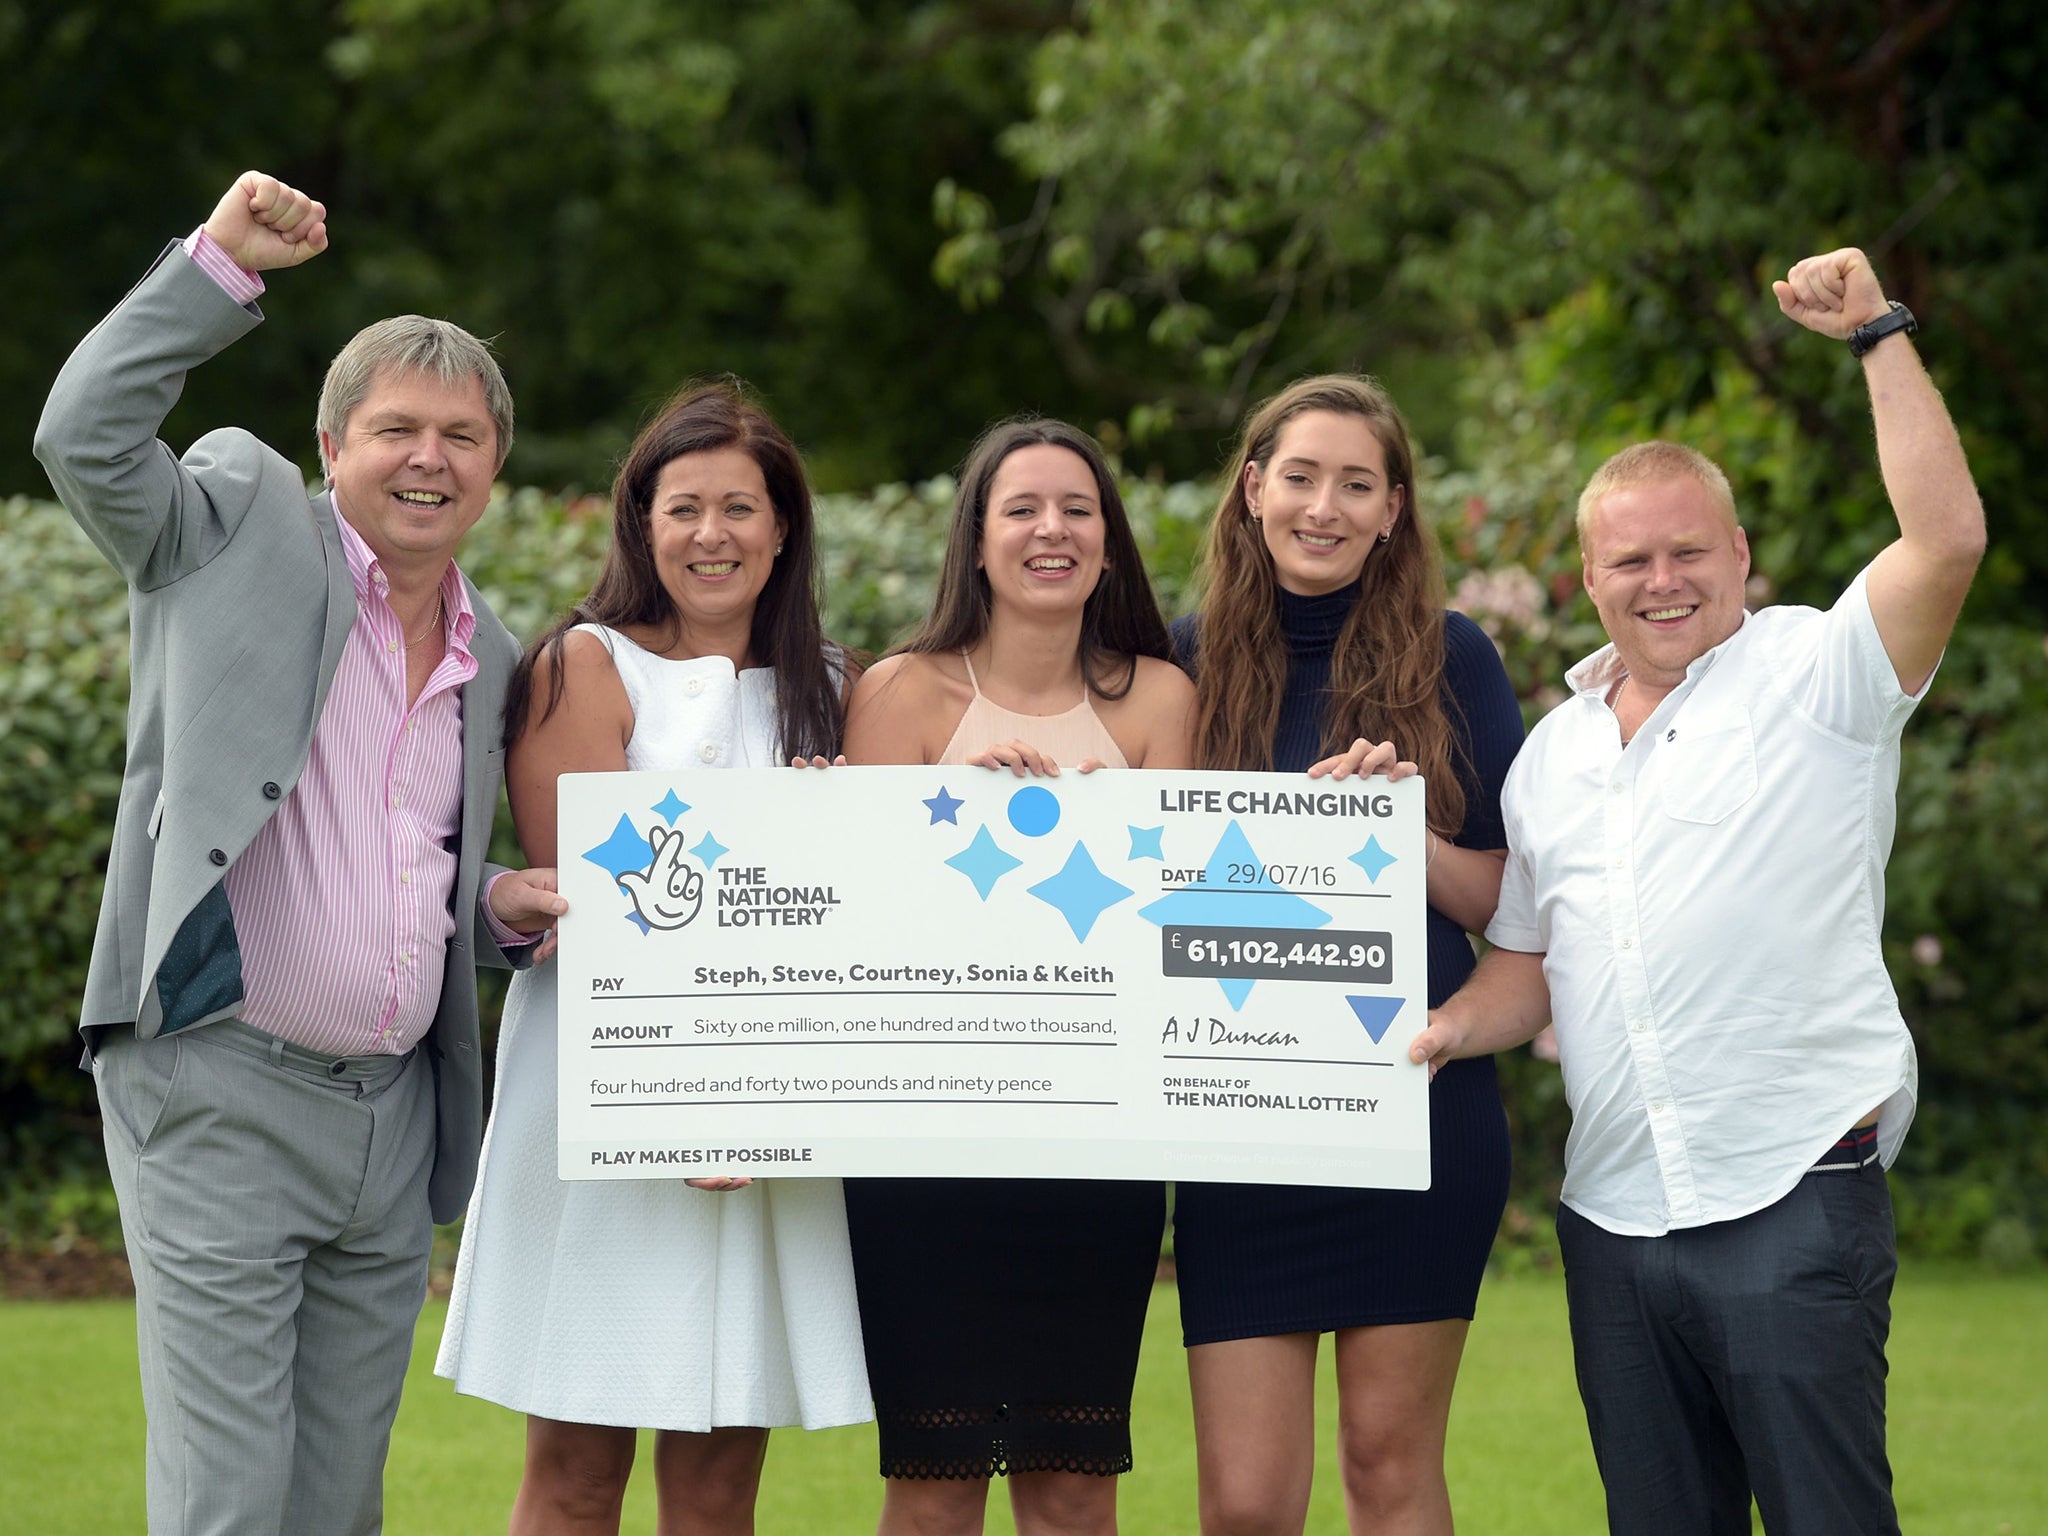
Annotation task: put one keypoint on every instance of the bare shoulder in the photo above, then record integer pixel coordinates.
(903, 709)
(1164, 682)
(586, 690)
(586, 661)
(1159, 691)
(911, 680)
(1153, 722)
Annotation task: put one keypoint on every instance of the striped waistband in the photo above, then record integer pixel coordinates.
(1858, 1149)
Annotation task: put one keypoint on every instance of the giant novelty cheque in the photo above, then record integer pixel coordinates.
(952, 971)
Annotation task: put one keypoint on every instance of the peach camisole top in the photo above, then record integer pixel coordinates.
(1068, 738)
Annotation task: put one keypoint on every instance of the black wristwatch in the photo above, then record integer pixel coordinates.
(1871, 332)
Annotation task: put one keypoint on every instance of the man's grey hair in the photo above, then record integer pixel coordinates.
(1650, 464)
(412, 344)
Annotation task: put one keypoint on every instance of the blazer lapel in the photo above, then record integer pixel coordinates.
(341, 599)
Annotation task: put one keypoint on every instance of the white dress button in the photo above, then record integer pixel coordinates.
(1636, 1026)
(709, 751)
(693, 687)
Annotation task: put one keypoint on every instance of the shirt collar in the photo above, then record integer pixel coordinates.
(1599, 672)
(366, 571)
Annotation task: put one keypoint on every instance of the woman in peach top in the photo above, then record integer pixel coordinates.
(1002, 1316)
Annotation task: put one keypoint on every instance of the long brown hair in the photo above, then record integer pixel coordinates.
(1120, 621)
(786, 634)
(1386, 670)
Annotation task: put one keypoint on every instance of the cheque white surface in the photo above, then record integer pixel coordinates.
(891, 971)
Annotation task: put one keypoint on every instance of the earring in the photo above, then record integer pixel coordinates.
(778, 548)
(1386, 533)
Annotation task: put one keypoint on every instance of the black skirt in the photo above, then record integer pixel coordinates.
(1002, 1319)
(1261, 1259)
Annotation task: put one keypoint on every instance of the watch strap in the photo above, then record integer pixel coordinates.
(1871, 332)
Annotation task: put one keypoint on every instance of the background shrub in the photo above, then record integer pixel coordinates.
(1965, 885)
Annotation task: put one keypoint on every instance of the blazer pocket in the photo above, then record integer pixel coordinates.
(156, 815)
(1710, 770)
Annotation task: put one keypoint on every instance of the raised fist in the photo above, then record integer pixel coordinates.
(1832, 294)
(264, 224)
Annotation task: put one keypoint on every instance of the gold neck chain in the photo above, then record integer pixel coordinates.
(440, 615)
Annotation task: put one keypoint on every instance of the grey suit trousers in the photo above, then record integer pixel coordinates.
(275, 1205)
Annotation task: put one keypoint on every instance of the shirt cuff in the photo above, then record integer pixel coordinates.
(236, 280)
(506, 938)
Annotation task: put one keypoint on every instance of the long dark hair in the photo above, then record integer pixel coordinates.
(786, 634)
(1120, 621)
(1386, 670)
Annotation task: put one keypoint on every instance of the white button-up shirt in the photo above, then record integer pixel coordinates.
(1707, 901)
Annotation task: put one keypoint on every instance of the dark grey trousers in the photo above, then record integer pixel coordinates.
(1741, 1357)
(274, 1203)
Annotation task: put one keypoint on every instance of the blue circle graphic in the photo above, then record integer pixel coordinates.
(1034, 810)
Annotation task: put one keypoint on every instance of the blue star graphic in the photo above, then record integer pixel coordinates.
(668, 807)
(1373, 859)
(1219, 903)
(1080, 892)
(943, 807)
(625, 849)
(1146, 843)
(983, 862)
(710, 850)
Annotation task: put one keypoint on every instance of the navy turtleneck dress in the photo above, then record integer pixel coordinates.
(1261, 1259)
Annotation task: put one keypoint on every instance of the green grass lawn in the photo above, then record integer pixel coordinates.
(1969, 1421)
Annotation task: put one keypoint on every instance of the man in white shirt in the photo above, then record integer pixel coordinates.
(1694, 891)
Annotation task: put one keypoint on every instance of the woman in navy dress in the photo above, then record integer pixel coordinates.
(1323, 643)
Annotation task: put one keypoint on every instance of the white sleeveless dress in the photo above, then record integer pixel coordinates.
(644, 1302)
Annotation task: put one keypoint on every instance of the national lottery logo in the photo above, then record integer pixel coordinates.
(668, 881)
(668, 892)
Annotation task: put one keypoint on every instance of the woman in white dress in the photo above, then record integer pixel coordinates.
(715, 1311)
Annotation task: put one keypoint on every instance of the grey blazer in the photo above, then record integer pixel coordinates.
(239, 604)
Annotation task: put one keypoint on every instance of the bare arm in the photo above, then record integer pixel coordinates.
(586, 732)
(1505, 1002)
(1917, 584)
(1464, 883)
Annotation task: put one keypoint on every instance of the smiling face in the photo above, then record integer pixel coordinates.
(715, 534)
(1322, 500)
(1042, 536)
(1665, 564)
(413, 466)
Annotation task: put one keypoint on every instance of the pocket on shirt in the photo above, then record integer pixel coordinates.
(1710, 769)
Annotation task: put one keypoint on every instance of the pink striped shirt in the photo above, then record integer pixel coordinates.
(341, 903)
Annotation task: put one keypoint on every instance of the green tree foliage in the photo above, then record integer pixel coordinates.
(1234, 195)
(625, 193)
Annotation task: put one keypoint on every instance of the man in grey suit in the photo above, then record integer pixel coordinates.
(281, 1007)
